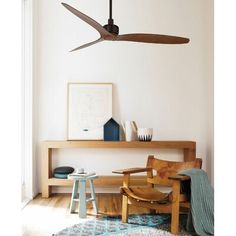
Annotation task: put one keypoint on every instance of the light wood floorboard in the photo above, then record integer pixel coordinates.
(43, 217)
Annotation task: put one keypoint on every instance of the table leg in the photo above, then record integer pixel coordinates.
(46, 170)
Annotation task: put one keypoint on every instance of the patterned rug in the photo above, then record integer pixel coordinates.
(137, 225)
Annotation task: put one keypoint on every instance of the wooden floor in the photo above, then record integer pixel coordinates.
(43, 217)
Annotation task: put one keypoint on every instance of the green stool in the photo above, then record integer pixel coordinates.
(80, 182)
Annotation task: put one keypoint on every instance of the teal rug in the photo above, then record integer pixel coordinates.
(144, 224)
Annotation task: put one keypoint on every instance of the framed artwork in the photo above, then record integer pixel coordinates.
(89, 108)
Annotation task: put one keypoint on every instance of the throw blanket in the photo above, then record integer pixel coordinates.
(201, 216)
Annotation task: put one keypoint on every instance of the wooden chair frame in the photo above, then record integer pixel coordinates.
(166, 176)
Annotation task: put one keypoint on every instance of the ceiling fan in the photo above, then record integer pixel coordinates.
(111, 32)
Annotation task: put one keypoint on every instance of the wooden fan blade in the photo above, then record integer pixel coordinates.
(152, 38)
(87, 44)
(103, 32)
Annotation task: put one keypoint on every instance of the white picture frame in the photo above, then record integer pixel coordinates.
(89, 108)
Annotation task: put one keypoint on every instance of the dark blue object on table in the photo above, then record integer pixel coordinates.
(64, 170)
(111, 131)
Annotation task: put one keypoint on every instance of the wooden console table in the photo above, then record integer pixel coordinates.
(188, 147)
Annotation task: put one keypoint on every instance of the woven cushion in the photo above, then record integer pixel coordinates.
(63, 170)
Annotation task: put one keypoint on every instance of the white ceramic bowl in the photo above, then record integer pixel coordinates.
(79, 170)
(145, 134)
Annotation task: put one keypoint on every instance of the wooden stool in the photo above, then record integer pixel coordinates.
(80, 181)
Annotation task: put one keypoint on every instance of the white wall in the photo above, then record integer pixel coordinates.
(167, 87)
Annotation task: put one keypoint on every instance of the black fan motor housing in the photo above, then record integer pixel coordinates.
(111, 28)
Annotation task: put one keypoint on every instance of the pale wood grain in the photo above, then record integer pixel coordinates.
(188, 147)
(45, 216)
(122, 144)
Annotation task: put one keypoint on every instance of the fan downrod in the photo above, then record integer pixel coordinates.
(110, 27)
